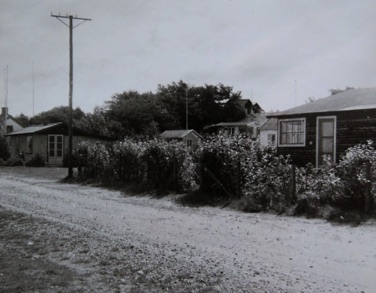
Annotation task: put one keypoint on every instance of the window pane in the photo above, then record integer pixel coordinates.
(29, 144)
(292, 132)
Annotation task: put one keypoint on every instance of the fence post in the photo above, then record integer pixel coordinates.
(368, 187)
(238, 181)
(175, 173)
(293, 181)
(202, 170)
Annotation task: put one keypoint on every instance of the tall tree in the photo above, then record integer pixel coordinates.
(23, 119)
(57, 114)
(205, 104)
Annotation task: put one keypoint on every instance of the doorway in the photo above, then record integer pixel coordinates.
(326, 139)
(55, 149)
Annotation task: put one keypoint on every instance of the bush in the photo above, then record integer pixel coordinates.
(36, 161)
(239, 166)
(156, 164)
(4, 149)
(233, 168)
(341, 185)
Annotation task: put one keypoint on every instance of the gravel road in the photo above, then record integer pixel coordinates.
(72, 238)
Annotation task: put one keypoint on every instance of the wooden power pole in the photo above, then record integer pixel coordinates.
(70, 130)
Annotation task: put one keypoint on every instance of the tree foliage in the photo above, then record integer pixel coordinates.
(23, 119)
(148, 114)
(338, 90)
(57, 114)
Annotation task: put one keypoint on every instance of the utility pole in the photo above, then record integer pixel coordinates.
(186, 110)
(70, 130)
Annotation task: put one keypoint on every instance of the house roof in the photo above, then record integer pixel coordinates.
(34, 129)
(9, 117)
(178, 133)
(353, 99)
(255, 120)
(270, 124)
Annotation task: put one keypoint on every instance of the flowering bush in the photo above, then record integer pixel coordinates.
(127, 161)
(342, 185)
(156, 164)
(263, 178)
(233, 167)
(95, 160)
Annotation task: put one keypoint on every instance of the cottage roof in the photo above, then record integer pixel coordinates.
(255, 120)
(353, 99)
(270, 124)
(4, 112)
(178, 133)
(34, 129)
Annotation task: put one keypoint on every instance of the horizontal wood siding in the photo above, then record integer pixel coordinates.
(353, 127)
(303, 155)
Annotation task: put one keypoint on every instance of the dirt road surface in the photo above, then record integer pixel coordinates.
(58, 237)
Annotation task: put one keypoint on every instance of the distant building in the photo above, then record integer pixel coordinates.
(268, 132)
(8, 123)
(49, 141)
(249, 107)
(327, 127)
(189, 137)
(249, 125)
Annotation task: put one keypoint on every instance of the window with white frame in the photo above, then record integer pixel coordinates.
(230, 130)
(292, 132)
(271, 138)
(189, 143)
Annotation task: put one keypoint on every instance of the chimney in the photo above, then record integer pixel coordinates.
(4, 112)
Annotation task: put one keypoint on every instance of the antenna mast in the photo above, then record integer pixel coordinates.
(6, 87)
(33, 91)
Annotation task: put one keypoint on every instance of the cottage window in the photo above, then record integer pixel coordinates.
(251, 131)
(9, 128)
(189, 143)
(230, 130)
(292, 132)
(29, 144)
(271, 138)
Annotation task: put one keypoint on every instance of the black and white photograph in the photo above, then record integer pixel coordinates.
(188, 146)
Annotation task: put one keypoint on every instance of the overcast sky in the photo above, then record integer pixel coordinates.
(276, 52)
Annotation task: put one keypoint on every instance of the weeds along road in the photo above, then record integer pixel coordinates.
(104, 241)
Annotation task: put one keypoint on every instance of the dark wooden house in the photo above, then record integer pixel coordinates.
(328, 126)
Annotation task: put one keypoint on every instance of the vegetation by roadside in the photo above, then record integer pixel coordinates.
(237, 172)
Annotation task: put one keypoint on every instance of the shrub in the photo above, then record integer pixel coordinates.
(341, 185)
(169, 166)
(156, 164)
(126, 159)
(36, 161)
(263, 178)
(95, 161)
(4, 149)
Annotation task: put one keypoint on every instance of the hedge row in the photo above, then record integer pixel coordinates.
(235, 169)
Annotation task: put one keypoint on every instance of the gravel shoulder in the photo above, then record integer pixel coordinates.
(71, 238)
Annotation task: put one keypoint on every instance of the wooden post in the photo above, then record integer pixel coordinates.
(70, 122)
(367, 194)
(293, 181)
(175, 173)
(238, 181)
